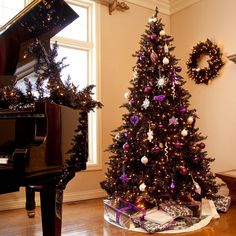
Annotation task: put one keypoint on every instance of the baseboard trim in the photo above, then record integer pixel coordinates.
(16, 203)
(83, 195)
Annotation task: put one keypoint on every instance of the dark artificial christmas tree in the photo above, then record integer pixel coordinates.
(157, 153)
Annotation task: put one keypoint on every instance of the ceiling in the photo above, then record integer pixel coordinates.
(165, 6)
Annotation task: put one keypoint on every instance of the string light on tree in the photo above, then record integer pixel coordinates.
(165, 148)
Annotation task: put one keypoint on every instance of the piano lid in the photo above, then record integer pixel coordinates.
(40, 19)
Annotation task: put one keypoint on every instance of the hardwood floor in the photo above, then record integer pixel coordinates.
(85, 218)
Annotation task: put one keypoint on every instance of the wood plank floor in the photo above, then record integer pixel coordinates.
(85, 218)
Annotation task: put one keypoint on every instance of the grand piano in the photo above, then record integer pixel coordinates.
(33, 142)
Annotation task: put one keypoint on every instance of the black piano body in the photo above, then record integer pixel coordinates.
(33, 146)
(34, 142)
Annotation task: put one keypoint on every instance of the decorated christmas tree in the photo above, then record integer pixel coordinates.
(157, 153)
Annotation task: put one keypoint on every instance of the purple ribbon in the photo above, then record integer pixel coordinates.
(159, 98)
(128, 206)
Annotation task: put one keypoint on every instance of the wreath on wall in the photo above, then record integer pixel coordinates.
(214, 62)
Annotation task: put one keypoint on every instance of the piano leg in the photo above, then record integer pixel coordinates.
(51, 210)
(30, 201)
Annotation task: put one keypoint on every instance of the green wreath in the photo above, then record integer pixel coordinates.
(215, 62)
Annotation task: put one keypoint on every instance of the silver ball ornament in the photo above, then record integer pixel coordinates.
(142, 187)
(165, 61)
(184, 132)
(162, 33)
(190, 120)
(144, 160)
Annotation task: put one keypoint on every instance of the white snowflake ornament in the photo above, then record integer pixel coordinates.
(146, 103)
(150, 135)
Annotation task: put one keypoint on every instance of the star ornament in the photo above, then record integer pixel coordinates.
(161, 82)
(173, 121)
(124, 178)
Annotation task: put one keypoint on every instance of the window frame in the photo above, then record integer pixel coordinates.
(93, 48)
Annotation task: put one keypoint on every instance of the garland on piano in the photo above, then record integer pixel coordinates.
(48, 70)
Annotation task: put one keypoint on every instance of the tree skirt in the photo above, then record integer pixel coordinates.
(194, 227)
(208, 210)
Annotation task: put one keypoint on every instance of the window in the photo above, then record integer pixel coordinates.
(78, 42)
(9, 10)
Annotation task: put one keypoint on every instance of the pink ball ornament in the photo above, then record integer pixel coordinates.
(183, 170)
(148, 89)
(201, 145)
(178, 144)
(126, 147)
(196, 159)
(156, 149)
(178, 69)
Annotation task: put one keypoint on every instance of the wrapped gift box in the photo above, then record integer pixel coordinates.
(195, 207)
(121, 212)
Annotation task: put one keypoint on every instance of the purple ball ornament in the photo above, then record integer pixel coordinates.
(134, 120)
(182, 109)
(153, 36)
(172, 185)
(156, 149)
(148, 89)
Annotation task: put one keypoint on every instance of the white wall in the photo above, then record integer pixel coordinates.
(120, 36)
(215, 103)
